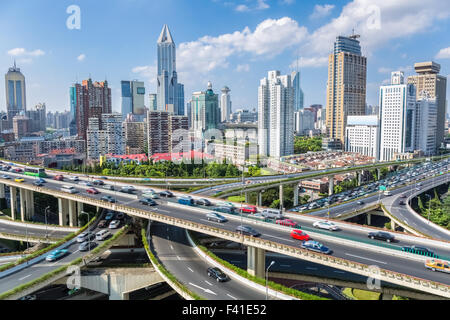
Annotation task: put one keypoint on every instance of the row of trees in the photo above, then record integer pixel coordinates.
(437, 210)
(163, 169)
(305, 144)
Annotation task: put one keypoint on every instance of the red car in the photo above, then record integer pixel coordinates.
(299, 235)
(287, 222)
(249, 209)
(59, 177)
(92, 191)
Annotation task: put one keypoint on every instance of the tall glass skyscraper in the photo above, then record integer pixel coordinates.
(205, 112)
(298, 92)
(167, 82)
(15, 92)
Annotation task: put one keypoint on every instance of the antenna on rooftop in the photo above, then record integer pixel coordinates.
(354, 36)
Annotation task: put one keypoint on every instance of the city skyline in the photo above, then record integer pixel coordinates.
(236, 56)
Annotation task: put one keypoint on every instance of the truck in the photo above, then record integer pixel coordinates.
(186, 201)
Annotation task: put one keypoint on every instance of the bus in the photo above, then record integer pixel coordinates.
(35, 172)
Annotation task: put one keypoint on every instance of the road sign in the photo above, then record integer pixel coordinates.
(383, 188)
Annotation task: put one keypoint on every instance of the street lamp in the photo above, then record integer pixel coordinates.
(267, 275)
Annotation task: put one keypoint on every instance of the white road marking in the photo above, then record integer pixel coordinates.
(171, 247)
(231, 296)
(310, 268)
(352, 255)
(210, 221)
(190, 269)
(25, 277)
(268, 235)
(206, 290)
(178, 258)
(208, 283)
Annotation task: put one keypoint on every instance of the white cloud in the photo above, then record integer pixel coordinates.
(149, 73)
(321, 11)
(287, 1)
(243, 67)
(443, 53)
(312, 62)
(260, 5)
(18, 52)
(242, 8)
(270, 38)
(81, 57)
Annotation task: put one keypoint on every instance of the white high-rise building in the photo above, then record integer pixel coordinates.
(397, 118)
(275, 115)
(361, 135)
(304, 121)
(426, 124)
(109, 139)
(225, 105)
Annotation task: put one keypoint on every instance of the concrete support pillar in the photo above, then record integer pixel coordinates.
(80, 208)
(281, 196)
(62, 211)
(29, 204)
(73, 213)
(13, 194)
(23, 205)
(360, 175)
(256, 259)
(295, 194)
(260, 198)
(369, 219)
(378, 173)
(393, 225)
(330, 185)
(2, 191)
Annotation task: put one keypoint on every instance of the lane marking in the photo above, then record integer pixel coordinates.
(178, 258)
(352, 255)
(268, 235)
(206, 290)
(25, 277)
(208, 283)
(231, 296)
(171, 247)
(190, 269)
(311, 268)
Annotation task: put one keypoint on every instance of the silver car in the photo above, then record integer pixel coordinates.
(214, 216)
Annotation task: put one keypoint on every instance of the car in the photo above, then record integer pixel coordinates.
(224, 210)
(108, 187)
(403, 196)
(186, 201)
(75, 178)
(437, 265)
(148, 191)
(380, 235)
(38, 184)
(87, 245)
(203, 202)
(114, 224)
(131, 188)
(58, 177)
(92, 191)
(150, 195)
(315, 246)
(120, 216)
(272, 214)
(102, 224)
(166, 194)
(401, 202)
(288, 223)
(108, 198)
(102, 235)
(419, 250)
(299, 235)
(360, 202)
(19, 180)
(69, 189)
(110, 216)
(29, 297)
(325, 225)
(104, 178)
(217, 274)
(214, 216)
(56, 254)
(247, 230)
(127, 190)
(225, 204)
(98, 183)
(5, 176)
(84, 236)
(40, 180)
(249, 209)
(148, 202)
(86, 183)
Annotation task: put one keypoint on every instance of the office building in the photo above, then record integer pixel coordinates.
(168, 95)
(188, 112)
(178, 135)
(134, 135)
(362, 134)
(205, 112)
(244, 116)
(346, 86)
(435, 85)
(107, 138)
(16, 102)
(89, 100)
(153, 102)
(133, 96)
(304, 121)
(426, 124)
(298, 92)
(37, 118)
(157, 132)
(20, 126)
(397, 118)
(225, 105)
(275, 115)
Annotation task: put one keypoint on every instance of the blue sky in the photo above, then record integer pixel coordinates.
(229, 42)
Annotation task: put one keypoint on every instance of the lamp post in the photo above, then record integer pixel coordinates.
(267, 276)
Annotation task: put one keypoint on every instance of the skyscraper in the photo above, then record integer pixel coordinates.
(397, 118)
(276, 115)
(89, 100)
(153, 102)
(428, 80)
(298, 92)
(108, 139)
(167, 82)
(133, 96)
(15, 92)
(346, 86)
(225, 104)
(205, 111)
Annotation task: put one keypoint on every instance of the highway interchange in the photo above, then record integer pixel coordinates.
(402, 265)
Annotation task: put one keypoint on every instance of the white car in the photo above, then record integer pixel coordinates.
(325, 225)
(102, 235)
(75, 178)
(114, 224)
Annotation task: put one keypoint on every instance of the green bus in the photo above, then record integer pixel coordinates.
(35, 172)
